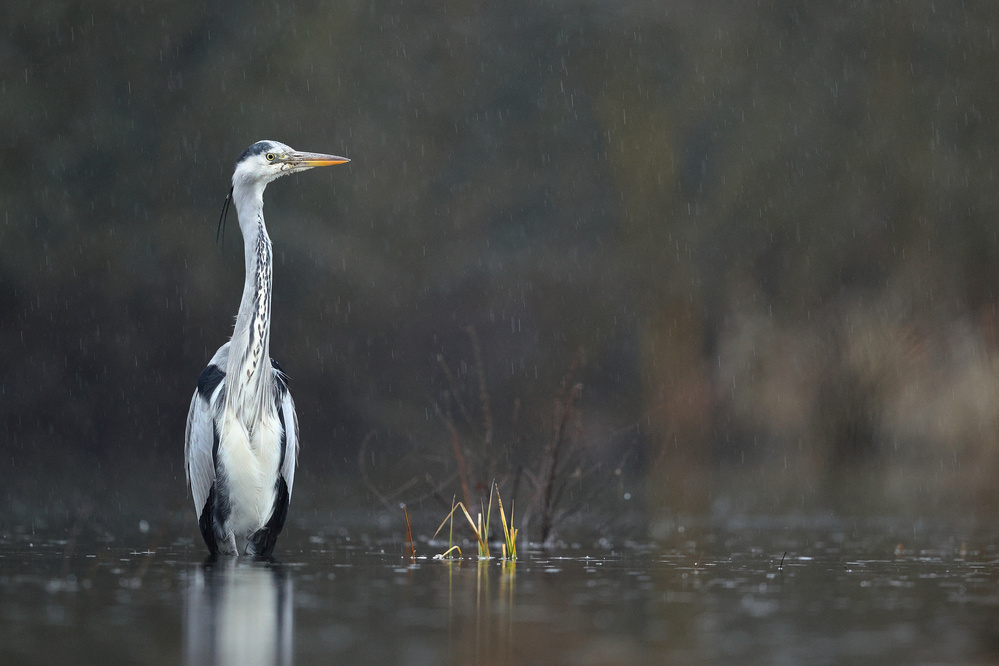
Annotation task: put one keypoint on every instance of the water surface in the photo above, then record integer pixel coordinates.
(750, 593)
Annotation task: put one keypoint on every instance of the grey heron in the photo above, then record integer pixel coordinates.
(241, 444)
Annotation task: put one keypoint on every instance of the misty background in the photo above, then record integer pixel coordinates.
(723, 257)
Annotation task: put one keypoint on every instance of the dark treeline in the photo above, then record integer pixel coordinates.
(723, 247)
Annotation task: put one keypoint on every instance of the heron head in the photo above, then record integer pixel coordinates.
(266, 160)
(263, 162)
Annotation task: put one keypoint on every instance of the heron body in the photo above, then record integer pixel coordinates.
(241, 445)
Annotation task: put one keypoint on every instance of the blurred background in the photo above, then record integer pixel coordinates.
(637, 262)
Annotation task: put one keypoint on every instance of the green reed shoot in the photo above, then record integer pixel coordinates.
(509, 532)
(480, 533)
(480, 528)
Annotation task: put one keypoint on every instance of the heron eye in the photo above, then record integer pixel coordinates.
(270, 157)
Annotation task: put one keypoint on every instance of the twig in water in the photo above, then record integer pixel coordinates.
(554, 450)
(459, 458)
(409, 534)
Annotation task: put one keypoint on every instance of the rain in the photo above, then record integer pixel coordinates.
(703, 295)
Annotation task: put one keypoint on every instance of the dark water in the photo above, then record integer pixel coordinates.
(751, 593)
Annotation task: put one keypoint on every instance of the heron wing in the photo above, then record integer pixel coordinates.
(289, 420)
(199, 442)
(198, 451)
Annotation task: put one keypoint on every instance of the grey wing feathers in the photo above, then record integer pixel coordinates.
(198, 451)
(200, 439)
(290, 420)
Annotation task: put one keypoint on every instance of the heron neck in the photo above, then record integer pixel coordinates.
(249, 364)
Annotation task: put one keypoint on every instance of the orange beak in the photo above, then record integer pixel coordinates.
(309, 160)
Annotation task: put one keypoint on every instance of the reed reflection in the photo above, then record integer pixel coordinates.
(239, 612)
(481, 612)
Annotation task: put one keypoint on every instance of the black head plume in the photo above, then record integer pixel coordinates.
(220, 232)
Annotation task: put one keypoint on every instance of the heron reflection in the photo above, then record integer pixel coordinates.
(238, 612)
